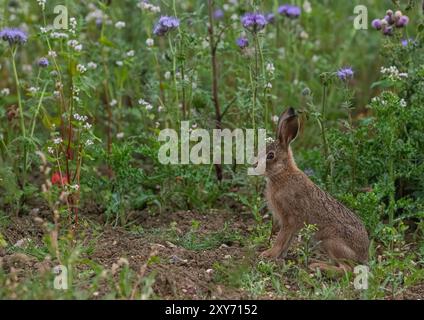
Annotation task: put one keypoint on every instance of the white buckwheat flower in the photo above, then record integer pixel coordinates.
(5, 92)
(150, 42)
(52, 54)
(307, 7)
(81, 68)
(120, 25)
(91, 65)
(270, 67)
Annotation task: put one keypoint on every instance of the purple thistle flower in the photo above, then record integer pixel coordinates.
(345, 73)
(402, 22)
(254, 22)
(166, 24)
(218, 14)
(242, 42)
(13, 36)
(376, 24)
(290, 11)
(43, 62)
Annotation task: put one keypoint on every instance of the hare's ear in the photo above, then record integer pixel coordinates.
(288, 127)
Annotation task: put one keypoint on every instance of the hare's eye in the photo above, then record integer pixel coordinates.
(270, 156)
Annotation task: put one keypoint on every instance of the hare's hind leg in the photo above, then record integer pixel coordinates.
(342, 268)
(339, 252)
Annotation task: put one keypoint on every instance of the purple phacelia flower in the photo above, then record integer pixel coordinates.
(390, 19)
(377, 24)
(290, 11)
(43, 62)
(254, 22)
(13, 36)
(166, 24)
(218, 14)
(270, 17)
(407, 42)
(283, 9)
(345, 73)
(402, 22)
(242, 42)
(388, 31)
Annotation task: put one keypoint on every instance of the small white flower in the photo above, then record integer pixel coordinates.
(268, 85)
(304, 35)
(307, 7)
(167, 75)
(87, 126)
(150, 42)
(113, 102)
(270, 67)
(89, 142)
(33, 89)
(130, 53)
(403, 103)
(43, 30)
(119, 63)
(56, 94)
(52, 54)
(81, 68)
(120, 135)
(75, 187)
(5, 91)
(157, 124)
(57, 140)
(91, 65)
(275, 119)
(74, 44)
(144, 5)
(50, 150)
(120, 25)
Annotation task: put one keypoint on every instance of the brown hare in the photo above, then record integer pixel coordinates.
(295, 201)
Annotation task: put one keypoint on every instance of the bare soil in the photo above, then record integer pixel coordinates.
(180, 273)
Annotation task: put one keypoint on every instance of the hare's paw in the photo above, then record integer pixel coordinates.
(270, 254)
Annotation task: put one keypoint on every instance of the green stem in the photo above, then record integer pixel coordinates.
(323, 132)
(21, 114)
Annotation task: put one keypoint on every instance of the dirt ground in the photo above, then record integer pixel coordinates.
(180, 273)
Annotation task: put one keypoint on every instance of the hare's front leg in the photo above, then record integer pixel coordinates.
(282, 243)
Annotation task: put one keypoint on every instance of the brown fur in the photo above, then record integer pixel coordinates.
(295, 201)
